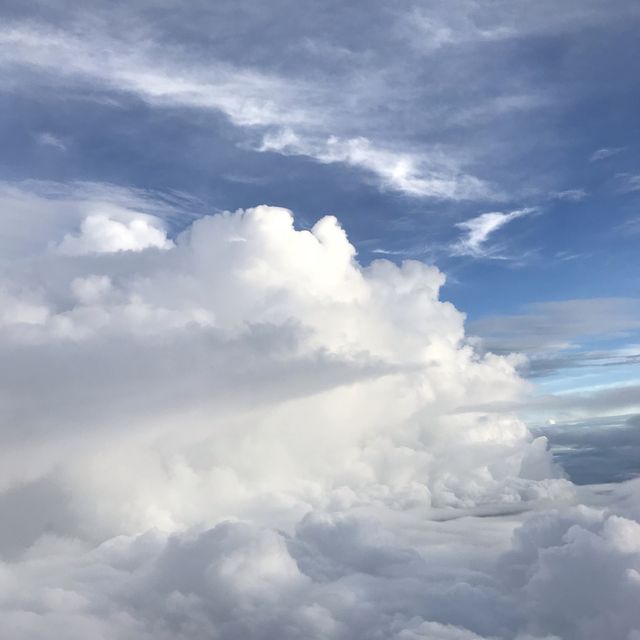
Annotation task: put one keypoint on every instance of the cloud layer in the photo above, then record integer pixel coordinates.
(233, 426)
(240, 431)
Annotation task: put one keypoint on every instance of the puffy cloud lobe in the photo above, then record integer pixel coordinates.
(578, 573)
(101, 234)
(248, 434)
(337, 577)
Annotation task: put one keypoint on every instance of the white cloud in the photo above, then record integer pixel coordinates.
(49, 140)
(249, 434)
(65, 57)
(630, 226)
(480, 228)
(101, 234)
(289, 311)
(431, 30)
(570, 195)
(603, 154)
(431, 26)
(58, 210)
(283, 300)
(397, 171)
(21, 310)
(628, 183)
(291, 117)
(552, 565)
(339, 578)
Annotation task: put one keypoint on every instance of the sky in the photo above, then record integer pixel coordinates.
(319, 320)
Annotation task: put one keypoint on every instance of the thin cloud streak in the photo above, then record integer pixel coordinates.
(478, 230)
(550, 326)
(603, 154)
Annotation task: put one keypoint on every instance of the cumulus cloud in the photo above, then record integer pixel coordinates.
(250, 434)
(101, 234)
(558, 554)
(338, 578)
(265, 297)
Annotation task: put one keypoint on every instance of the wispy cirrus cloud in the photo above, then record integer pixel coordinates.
(630, 226)
(48, 139)
(570, 195)
(431, 27)
(290, 116)
(604, 153)
(396, 170)
(628, 182)
(477, 232)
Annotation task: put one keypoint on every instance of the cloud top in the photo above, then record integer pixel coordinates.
(101, 234)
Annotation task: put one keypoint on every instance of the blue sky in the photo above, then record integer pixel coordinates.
(498, 141)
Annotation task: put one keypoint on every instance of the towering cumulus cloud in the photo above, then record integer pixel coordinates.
(241, 432)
